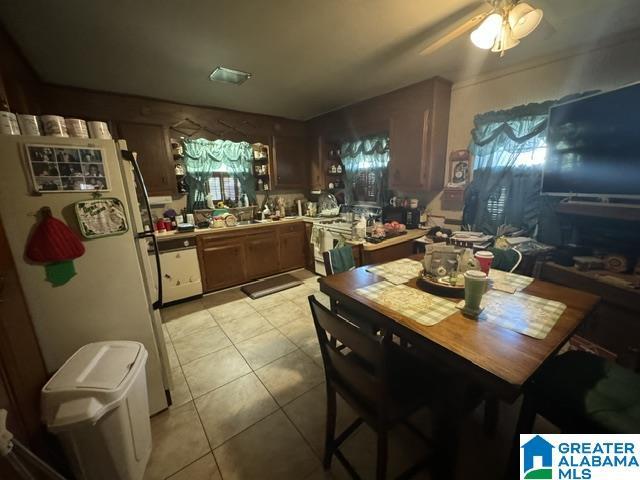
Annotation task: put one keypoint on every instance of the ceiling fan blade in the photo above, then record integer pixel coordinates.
(456, 29)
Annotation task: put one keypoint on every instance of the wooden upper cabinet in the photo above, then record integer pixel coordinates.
(317, 174)
(151, 143)
(409, 138)
(416, 118)
(290, 156)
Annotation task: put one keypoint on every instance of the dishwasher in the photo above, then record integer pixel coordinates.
(180, 268)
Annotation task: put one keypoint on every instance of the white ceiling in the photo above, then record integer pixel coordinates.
(307, 57)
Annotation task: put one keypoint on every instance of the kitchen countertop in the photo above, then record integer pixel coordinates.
(409, 237)
(204, 231)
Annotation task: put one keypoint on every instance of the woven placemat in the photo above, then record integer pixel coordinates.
(507, 281)
(415, 304)
(520, 312)
(398, 271)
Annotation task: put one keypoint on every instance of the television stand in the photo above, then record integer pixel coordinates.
(619, 211)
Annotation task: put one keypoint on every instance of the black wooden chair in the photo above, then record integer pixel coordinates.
(376, 378)
(331, 268)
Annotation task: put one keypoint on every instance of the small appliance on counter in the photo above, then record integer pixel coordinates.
(328, 205)
(404, 215)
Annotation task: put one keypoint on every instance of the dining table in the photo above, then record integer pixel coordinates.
(497, 359)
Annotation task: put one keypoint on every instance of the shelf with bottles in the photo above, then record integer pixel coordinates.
(262, 183)
(179, 166)
(261, 167)
(260, 153)
(336, 185)
(335, 169)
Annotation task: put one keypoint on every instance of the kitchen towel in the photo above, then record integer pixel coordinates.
(341, 259)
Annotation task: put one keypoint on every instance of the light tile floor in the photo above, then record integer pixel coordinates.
(249, 399)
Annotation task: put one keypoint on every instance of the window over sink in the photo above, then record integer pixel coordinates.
(224, 186)
(366, 163)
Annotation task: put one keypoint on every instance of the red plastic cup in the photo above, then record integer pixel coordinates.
(485, 259)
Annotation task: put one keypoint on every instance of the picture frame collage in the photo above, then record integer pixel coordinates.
(58, 169)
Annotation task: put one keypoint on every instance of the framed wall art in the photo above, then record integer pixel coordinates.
(459, 168)
(58, 169)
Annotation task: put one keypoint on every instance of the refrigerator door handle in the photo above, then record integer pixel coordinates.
(158, 303)
(129, 156)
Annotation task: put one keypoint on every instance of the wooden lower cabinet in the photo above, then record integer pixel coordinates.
(261, 255)
(222, 262)
(232, 258)
(292, 247)
(387, 254)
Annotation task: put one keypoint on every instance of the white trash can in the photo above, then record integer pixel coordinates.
(97, 405)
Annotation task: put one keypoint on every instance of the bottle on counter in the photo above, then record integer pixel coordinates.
(160, 227)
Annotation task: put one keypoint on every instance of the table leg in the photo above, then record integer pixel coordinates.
(449, 412)
(525, 425)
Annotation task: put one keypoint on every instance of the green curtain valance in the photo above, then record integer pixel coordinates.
(204, 157)
(201, 153)
(366, 146)
(490, 125)
(483, 135)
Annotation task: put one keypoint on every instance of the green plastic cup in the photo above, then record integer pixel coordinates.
(475, 284)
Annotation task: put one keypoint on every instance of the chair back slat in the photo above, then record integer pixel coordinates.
(359, 364)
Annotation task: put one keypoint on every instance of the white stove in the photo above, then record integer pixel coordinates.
(328, 234)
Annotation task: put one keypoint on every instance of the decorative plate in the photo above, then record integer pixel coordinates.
(440, 286)
(101, 217)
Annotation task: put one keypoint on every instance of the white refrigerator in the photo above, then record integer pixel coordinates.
(113, 294)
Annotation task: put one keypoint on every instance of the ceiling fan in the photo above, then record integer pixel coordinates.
(500, 26)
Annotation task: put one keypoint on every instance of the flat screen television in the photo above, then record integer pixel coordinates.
(593, 146)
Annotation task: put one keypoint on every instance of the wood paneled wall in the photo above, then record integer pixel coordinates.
(228, 124)
(19, 84)
(374, 115)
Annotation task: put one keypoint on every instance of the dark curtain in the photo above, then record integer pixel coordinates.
(508, 148)
(368, 154)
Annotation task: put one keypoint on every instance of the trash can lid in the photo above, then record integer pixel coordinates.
(91, 382)
(99, 366)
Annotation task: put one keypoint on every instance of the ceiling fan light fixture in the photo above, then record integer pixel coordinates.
(524, 19)
(505, 40)
(485, 35)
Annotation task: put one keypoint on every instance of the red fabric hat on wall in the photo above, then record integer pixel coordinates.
(53, 241)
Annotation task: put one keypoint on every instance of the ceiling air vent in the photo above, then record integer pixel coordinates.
(229, 75)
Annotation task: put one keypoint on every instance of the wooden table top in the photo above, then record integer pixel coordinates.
(495, 355)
